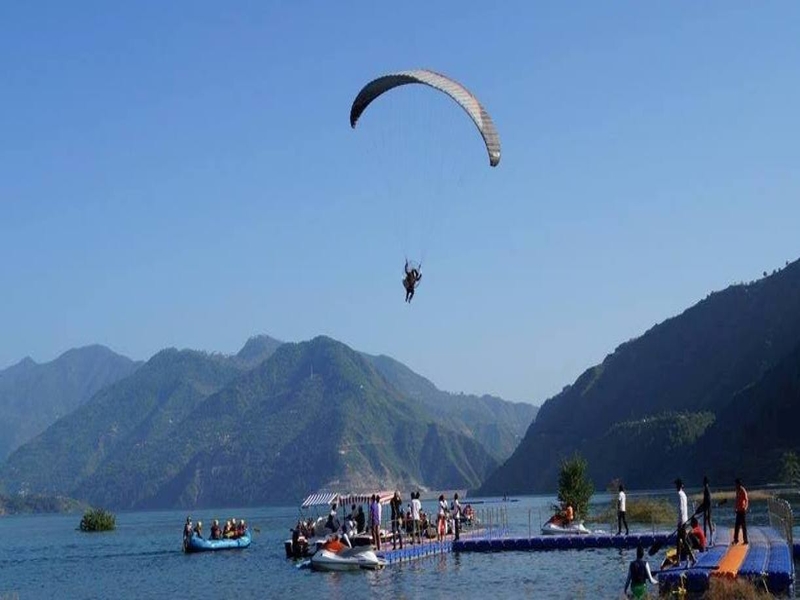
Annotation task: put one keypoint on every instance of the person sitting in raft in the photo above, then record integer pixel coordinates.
(696, 536)
(216, 532)
(198, 529)
(187, 528)
(226, 531)
(638, 575)
(240, 528)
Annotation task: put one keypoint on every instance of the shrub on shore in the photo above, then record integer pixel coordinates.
(97, 519)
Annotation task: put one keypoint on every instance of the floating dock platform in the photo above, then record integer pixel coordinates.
(766, 561)
(559, 542)
(415, 551)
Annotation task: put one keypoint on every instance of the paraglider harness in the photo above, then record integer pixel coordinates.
(412, 278)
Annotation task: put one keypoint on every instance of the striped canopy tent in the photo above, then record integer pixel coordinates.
(319, 499)
(328, 498)
(348, 499)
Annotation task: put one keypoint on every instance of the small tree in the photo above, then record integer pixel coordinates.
(574, 485)
(97, 519)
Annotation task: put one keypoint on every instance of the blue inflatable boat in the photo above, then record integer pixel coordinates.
(198, 544)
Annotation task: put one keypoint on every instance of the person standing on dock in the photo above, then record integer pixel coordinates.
(441, 525)
(375, 520)
(708, 526)
(456, 517)
(638, 575)
(621, 511)
(416, 507)
(396, 504)
(683, 518)
(742, 504)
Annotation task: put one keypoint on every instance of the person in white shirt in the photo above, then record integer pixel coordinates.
(683, 504)
(416, 507)
(621, 511)
(683, 520)
(441, 528)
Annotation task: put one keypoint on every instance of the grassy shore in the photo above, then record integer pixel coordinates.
(638, 510)
(721, 588)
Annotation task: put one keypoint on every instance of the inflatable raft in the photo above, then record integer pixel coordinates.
(198, 544)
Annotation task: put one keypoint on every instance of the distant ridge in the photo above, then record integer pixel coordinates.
(33, 396)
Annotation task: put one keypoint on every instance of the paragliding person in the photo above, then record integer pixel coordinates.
(412, 278)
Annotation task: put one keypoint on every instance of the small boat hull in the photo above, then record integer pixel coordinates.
(571, 529)
(347, 560)
(198, 544)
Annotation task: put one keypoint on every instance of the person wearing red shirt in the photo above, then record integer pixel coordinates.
(697, 538)
(742, 504)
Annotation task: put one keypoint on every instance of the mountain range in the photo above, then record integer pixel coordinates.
(267, 425)
(713, 391)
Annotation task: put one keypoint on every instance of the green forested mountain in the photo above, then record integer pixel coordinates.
(192, 429)
(752, 434)
(33, 396)
(702, 392)
(120, 419)
(497, 424)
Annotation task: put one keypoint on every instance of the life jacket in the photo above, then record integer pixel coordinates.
(333, 545)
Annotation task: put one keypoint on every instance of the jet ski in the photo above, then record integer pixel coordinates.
(349, 559)
(560, 528)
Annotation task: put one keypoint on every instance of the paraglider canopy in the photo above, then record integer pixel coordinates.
(480, 117)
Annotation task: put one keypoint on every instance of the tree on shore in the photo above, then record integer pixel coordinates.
(574, 485)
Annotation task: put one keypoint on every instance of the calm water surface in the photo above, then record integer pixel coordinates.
(45, 557)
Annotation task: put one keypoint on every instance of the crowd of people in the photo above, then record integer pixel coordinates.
(690, 536)
(406, 524)
(232, 529)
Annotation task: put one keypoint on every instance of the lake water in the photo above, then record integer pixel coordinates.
(44, 556)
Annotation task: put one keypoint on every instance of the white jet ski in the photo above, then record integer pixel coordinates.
(349, 559)
(556, 528)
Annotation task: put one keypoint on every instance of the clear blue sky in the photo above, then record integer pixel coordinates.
(184, 174)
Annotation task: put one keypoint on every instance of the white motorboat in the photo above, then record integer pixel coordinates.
(574, 528)
(349, 559)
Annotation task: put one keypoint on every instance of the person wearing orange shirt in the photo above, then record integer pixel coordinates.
(742, 504)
